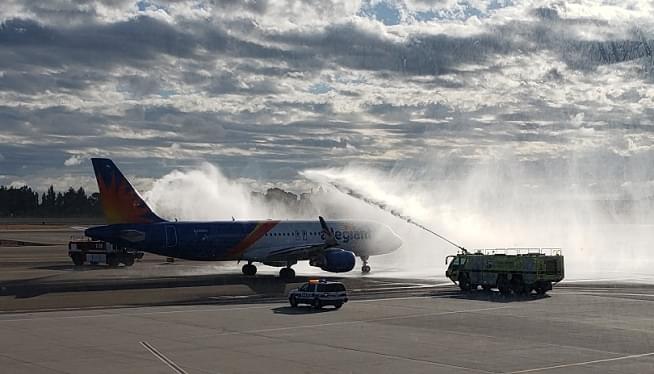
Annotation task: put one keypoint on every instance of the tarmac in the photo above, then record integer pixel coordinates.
(187, 318)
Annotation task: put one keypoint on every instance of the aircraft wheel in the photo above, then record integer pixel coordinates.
(249, 269)
(287, 273)
(365, 269)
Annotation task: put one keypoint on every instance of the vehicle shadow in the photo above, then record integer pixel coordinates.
(496, 297)
(301, 310)
(71, 267)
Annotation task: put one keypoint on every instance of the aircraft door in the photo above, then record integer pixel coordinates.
(171, 236)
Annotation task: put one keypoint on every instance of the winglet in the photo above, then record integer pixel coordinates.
(120, 201)
(329, 236)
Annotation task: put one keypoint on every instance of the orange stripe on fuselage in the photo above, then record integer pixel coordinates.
(256, 234)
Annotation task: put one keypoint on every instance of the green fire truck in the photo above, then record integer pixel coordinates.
(517, 270)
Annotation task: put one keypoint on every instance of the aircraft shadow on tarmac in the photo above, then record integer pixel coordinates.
(260, 285)
(71, 267)
(495, 297)
(301, 310)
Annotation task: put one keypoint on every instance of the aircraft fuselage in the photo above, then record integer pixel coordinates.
(246, 240)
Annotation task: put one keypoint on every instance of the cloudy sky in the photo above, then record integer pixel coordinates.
(266, 89)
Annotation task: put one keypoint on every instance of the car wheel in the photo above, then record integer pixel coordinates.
(293, 301)
(317, 303)
(338, 305)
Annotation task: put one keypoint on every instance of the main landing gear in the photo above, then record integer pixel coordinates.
(365, 269)
(287, 273)
(249, 269)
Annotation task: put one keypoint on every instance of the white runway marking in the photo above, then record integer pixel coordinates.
(337, 323)
(606, 294)
(581, 363)
(163, 358)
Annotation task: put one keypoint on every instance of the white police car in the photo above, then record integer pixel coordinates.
(319, 293)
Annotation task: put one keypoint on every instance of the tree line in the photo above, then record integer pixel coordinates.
(25, 202)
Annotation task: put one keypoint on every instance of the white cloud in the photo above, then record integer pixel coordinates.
(73, 160)
(231, 82)
(18, 183)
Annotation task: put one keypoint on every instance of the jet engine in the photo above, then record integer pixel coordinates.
(335, 260)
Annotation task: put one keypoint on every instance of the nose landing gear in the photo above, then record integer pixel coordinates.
(365, 269)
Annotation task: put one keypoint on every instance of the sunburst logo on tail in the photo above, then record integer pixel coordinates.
(120, 201)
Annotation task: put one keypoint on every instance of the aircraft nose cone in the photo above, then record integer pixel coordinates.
(396, 241)
(393, 241)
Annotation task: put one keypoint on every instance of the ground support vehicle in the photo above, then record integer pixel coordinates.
(517, 270)
(319, 293)
(100, 252)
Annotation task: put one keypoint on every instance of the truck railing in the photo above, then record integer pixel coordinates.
(521, 251)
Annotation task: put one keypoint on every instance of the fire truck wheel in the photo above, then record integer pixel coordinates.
(517, 285)
(128, 260)
(542, 287)
(503, 285)
(78, 259)
(464, 282)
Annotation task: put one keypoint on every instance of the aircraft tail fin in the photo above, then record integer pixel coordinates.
(120, 201)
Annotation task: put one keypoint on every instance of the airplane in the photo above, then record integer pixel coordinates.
(333, 246)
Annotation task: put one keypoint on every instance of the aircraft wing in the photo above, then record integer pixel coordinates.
(296, 252)
(307, 250)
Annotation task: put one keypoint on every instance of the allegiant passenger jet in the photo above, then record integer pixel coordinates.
(331, 246)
